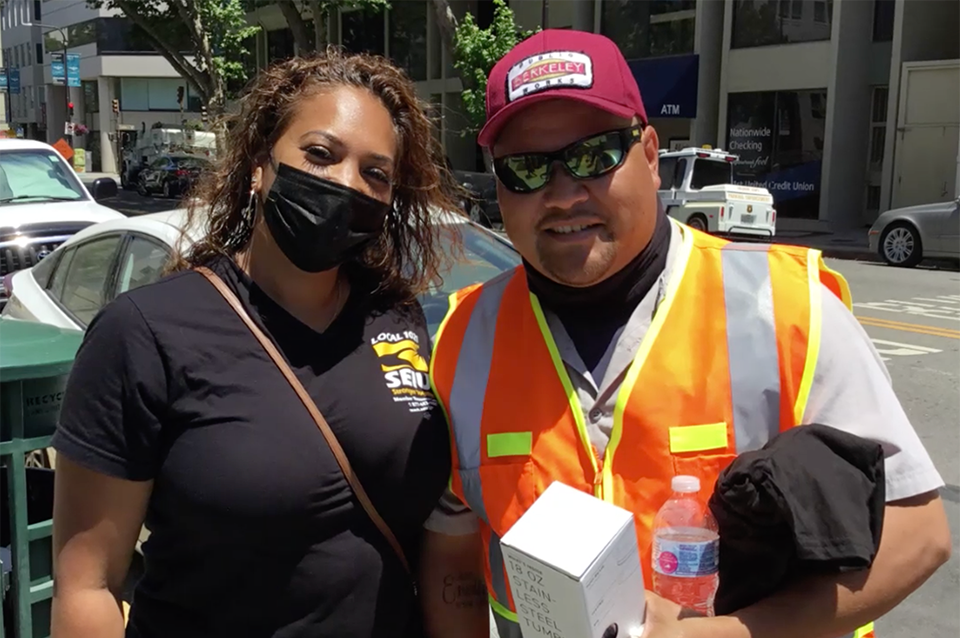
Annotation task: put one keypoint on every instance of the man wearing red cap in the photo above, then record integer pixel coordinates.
(629, 348)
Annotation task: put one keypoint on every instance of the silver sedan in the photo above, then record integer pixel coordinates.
(906, 236)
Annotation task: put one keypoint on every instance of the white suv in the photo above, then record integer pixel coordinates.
(42, 204)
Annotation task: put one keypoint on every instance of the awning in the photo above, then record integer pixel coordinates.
(668, 85)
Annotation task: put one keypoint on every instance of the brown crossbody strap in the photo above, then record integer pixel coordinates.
(308, 403)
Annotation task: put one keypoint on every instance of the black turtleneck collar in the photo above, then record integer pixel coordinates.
(593, 315)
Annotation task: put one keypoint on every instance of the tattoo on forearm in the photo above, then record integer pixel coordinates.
(465, 590)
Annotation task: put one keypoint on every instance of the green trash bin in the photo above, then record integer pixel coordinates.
(35, 360)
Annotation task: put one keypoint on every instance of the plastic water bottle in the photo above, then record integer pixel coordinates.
(686, 549)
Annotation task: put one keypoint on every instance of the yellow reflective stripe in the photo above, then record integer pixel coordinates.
(863, 631)
(845, 295)
(565, 380)
(694, 438)
(500, 610)
(813, 337)
(509, 444)
(645, 344)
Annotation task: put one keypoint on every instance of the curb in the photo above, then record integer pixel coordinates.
(851, 254)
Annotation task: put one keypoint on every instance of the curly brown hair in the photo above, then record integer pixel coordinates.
(407, 257)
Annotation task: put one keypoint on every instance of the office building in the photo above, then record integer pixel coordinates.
(115, 62)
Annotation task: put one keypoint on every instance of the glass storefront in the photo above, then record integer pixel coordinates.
(778, 136)
(758, 23)
(649, 29)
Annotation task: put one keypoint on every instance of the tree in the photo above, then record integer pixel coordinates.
(475, 51)
(214, 31)
(320, 11)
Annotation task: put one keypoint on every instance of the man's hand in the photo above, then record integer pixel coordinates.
(665, 619)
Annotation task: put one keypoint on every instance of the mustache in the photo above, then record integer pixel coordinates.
(566, 217)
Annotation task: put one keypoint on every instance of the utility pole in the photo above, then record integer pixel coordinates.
(68, 103)
(545, 14)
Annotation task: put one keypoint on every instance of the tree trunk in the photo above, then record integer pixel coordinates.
(291, 13)
(319, 24)
(447, 25)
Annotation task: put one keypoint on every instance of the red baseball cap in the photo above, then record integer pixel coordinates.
(560, 63)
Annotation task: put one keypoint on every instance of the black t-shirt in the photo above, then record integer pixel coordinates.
(254, 530)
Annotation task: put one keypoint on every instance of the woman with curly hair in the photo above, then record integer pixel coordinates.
(316, 226)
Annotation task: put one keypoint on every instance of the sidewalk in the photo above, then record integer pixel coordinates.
(846, 244)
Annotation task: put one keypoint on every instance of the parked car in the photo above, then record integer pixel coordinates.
(43, 203)
(69, 287)
(482, 207)
(906, 236)
(171, 175)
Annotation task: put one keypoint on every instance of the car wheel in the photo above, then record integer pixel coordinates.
(124, 184)
(166, 190)
(900, 245)
(697, 222)
(477, 215)
(142, 188)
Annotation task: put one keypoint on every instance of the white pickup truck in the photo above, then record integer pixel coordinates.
(697, 189)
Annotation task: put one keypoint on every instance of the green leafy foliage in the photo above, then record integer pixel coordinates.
(476, 51)
(205, 40)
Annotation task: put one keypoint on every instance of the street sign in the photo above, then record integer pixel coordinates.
(126, 127)
(68, 128)
(73, 69)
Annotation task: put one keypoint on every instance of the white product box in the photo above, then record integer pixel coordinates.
(574, 567)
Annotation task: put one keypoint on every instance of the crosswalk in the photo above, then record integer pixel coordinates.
(937, 307)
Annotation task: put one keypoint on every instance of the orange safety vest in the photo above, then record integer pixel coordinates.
(726, 364)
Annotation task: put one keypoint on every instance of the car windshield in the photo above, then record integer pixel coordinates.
(481, 257)
(36, 175)
(711, 172)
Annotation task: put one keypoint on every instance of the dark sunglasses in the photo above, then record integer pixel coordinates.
(587, 158)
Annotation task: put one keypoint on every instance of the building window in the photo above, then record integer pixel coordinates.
(883, 17)
(408, 37)
(280, 45)
(362, 32)
(91, 97)
(649, 29)
(39, 48)
(778, 138)
(878, 125)
(769, 22)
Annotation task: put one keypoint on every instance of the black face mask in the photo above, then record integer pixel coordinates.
(319, 224)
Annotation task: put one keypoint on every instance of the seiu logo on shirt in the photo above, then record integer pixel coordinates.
(405, 371)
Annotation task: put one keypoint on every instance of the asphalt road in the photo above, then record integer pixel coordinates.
(913, 317)
(131, 204)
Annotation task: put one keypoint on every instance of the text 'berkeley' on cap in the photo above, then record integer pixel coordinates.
(560, 63)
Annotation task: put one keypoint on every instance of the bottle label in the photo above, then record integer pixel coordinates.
(686, 559)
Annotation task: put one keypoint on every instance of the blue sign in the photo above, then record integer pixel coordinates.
(73, 69)
(14, 79)
(56, 68)
(3, 78)
(669, 86)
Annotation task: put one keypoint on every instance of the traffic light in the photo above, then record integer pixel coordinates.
(179, 95)
(203, 114)
(116, 106)
(70, 109)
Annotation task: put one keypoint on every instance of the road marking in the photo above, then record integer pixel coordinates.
(896, 349)
(943, 306)
(933, 331)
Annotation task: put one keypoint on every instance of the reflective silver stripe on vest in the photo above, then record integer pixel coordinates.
(470, 387)
(751, 344)
(466, 413)
(506, 628)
